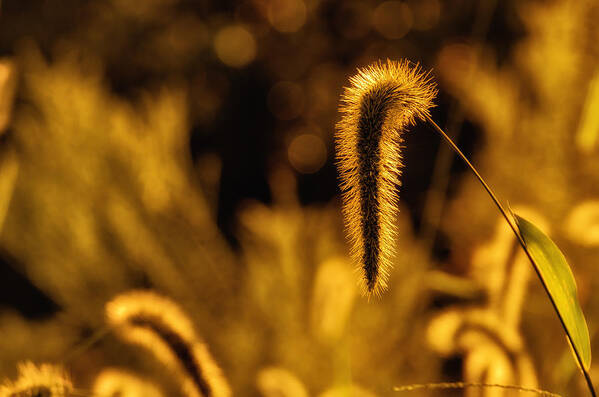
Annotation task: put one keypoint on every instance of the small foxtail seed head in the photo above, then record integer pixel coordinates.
(43, 380)
(382, 100)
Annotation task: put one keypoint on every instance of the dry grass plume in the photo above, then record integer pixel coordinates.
(382, 100)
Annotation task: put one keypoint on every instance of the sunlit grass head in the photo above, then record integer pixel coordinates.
(161, 326)
(38, 380)
(382, 100)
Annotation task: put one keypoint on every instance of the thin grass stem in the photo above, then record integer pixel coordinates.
(87, 343)
(463, 385)
(514, 228)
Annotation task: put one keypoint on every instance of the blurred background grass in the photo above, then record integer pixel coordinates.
(186, 146)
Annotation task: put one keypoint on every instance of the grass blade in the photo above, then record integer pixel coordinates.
(554, 272)
(561, 286)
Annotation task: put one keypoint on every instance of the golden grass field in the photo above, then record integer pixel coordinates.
(172, 193)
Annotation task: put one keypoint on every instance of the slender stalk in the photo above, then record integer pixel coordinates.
(464, 385)
(514, 228)
(87, 343)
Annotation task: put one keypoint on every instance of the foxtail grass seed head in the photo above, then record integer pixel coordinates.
(382, 100)
(117, 382)
(43, 380)
(157, 323)
(279, 382)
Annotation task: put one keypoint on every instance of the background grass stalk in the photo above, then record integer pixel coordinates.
(464, 385)
(87, 343)
(514, 228)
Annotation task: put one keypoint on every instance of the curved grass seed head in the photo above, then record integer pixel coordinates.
(160, 325)
(383, 99)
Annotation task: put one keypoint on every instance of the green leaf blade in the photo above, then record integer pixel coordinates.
(561, 286)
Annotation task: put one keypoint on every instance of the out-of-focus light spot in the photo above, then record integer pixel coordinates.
(588, 127)
(235, 46)
(7, 91)
(426, 13)
(275, 381)
(353, 19)
(286, 100)
(307, 153)
(287, 16)
(582, 225)
(392, 19)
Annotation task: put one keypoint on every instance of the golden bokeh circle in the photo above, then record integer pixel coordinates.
(307, 153)
(235, 46)
(392, 19)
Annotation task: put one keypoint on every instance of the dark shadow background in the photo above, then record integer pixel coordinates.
(242, 130)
